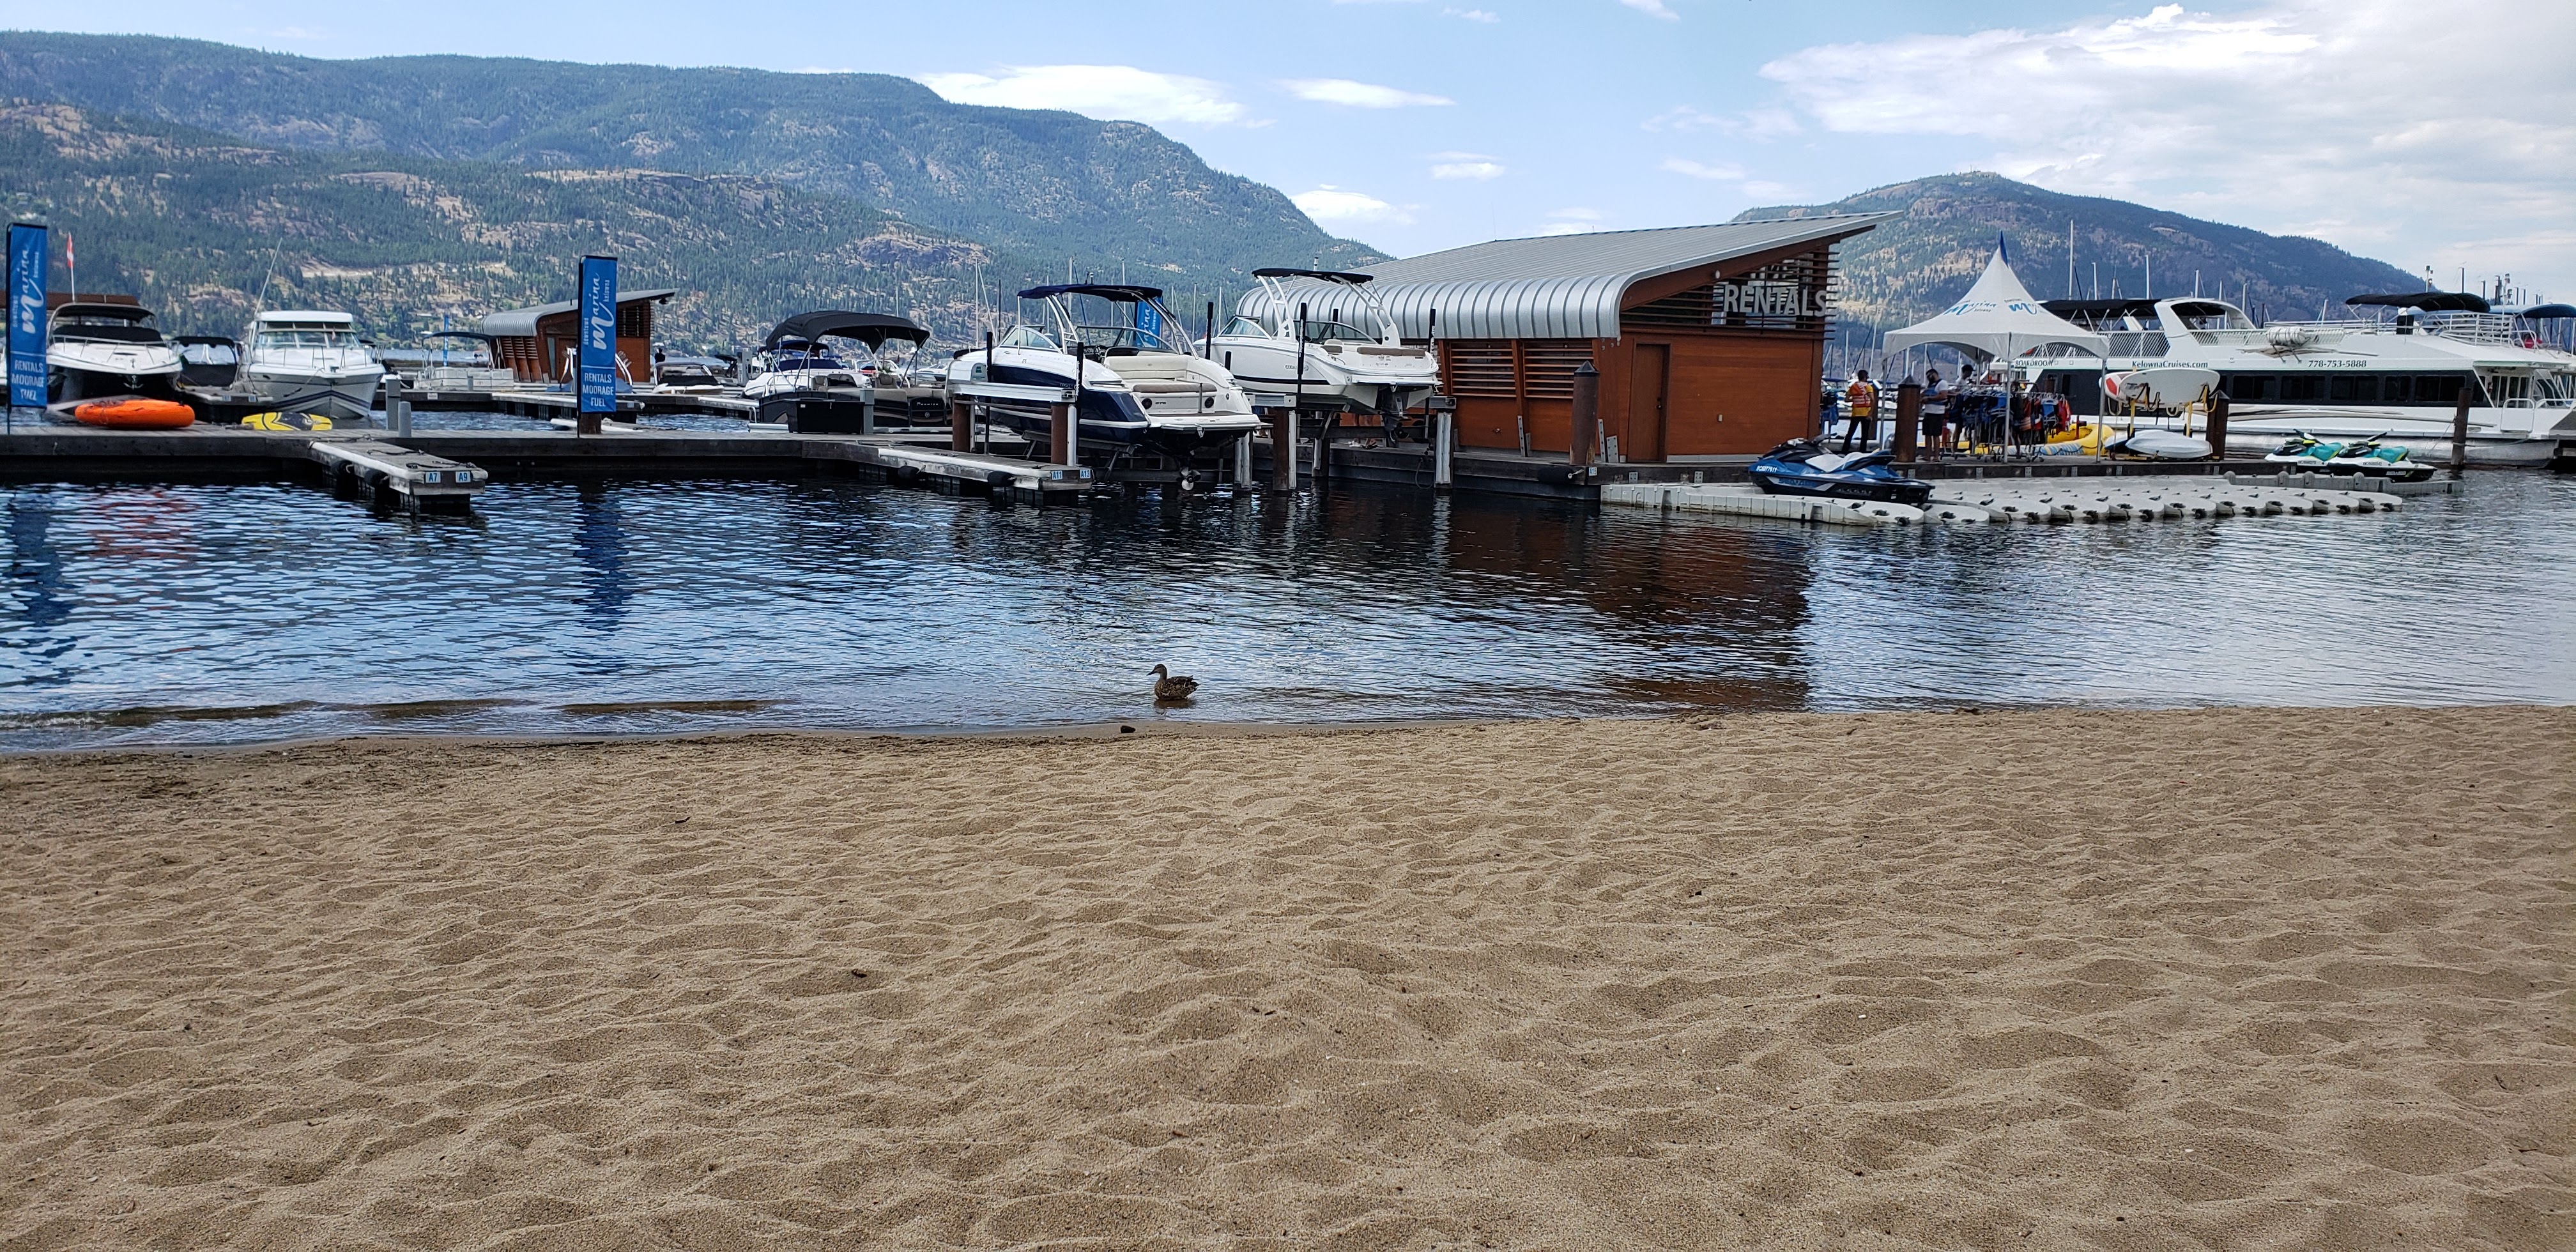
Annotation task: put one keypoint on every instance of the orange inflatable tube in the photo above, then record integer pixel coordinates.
(135, 414)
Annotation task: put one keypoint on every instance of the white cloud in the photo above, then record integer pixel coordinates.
(1758, 124)
(2281, 117)
(1566, 228)
(1578, 214)
(1120, 92)
(1714, 173)
(1333, 204)
(1471, 15)
(1358, 95)
(1653, 8)
(1466, 165)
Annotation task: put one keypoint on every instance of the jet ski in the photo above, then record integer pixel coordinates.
(2305, 451)
(2378, 460)
(1802, 467)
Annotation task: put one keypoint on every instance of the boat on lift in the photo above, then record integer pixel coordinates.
(1145, 387)
(2397, 376)
(803, 384)
(1346, 352)
(311, 360)
(106, 349)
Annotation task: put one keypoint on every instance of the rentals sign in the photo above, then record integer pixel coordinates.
(1753, 298)
(26, 316)
(597, 383)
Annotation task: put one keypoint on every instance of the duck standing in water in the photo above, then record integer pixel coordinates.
(1171, 688)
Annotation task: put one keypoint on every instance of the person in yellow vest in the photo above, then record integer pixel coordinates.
(1862, 396)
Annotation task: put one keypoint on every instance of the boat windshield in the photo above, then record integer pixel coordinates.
(1027, 337)
(209, 354)
(106, 332)
(1242, 325)
(1133, 337)
(308, 339)
(1331, 332)
(2210, 315)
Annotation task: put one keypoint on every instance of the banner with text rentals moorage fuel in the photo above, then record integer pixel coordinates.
(597, 384)
(26, 316)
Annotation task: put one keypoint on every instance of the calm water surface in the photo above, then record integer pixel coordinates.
(168, 614)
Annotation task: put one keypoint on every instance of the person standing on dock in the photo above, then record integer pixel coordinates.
(1936, 414)
(1862, 395)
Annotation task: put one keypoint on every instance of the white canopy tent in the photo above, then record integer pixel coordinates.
(1998, 318)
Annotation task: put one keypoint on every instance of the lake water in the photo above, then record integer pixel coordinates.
(190, 614)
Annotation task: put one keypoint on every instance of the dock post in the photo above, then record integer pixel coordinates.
(1323, 450)
(2218, 404)
(2460, 431)
(961, 426)
(1587, 416)
(1283, 449)
(1243, 460)
(1909, 418)
(1444, 433)
(397, 409)
(1060, 433)
(868, 412)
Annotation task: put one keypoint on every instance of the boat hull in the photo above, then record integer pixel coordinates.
(349, 394)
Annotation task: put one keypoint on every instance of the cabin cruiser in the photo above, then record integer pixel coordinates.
(2397, 378)
(95, 349)
(1145, 387)
(1321, 336)
(309, 360)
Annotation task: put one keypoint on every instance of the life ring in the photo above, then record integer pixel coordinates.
(135, 414)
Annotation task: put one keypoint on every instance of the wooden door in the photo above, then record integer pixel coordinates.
(1650, 368)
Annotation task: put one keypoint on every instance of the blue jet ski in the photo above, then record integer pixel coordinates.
(1802, 467)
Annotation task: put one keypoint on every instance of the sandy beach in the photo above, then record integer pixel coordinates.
(2204, 979)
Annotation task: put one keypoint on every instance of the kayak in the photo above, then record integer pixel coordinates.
(134, 414)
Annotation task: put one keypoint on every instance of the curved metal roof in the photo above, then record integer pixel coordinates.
(523, 322)
(1558, 286)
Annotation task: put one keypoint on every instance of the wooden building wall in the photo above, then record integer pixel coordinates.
(1697, 371)
(547, 356)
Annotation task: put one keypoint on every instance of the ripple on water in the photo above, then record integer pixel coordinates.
(253, 612)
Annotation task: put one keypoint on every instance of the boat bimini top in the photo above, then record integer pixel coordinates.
(103, 323)
(872, 329)
(1152, 328)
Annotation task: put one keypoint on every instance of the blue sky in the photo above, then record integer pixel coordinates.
(2424, 134)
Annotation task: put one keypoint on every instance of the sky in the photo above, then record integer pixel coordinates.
(2434, 134)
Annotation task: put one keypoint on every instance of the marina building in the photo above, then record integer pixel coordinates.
(1709, 340)
(540, 343)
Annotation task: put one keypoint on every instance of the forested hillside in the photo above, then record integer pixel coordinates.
(1911, 268)
(1050, 184)
(197, 224)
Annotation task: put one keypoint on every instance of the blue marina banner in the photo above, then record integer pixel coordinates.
(26, 316)
(1149, 319)
(597, 384)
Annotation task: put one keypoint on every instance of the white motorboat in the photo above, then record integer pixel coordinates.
(2398, 378)
(309, 360)
(98, 350)
(803, 384)
(1321, 337)
(1145, 386)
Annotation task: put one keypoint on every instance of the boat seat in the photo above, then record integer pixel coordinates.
(1828, 462)
(1161, 385)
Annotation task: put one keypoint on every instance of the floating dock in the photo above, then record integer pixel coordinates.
(2056, 501)
(400, 466)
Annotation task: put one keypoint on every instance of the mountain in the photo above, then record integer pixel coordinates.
(1032, 189)
(200, 224)
(1911, 268)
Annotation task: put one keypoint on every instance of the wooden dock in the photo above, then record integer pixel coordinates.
(402, 464)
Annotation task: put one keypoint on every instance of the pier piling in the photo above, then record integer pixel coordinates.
(1581, 449)
(1909, 419)
(2218, 403)
(2460, 431)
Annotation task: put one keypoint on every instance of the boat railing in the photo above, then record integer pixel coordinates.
(2472, 327)
(2345, 324)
